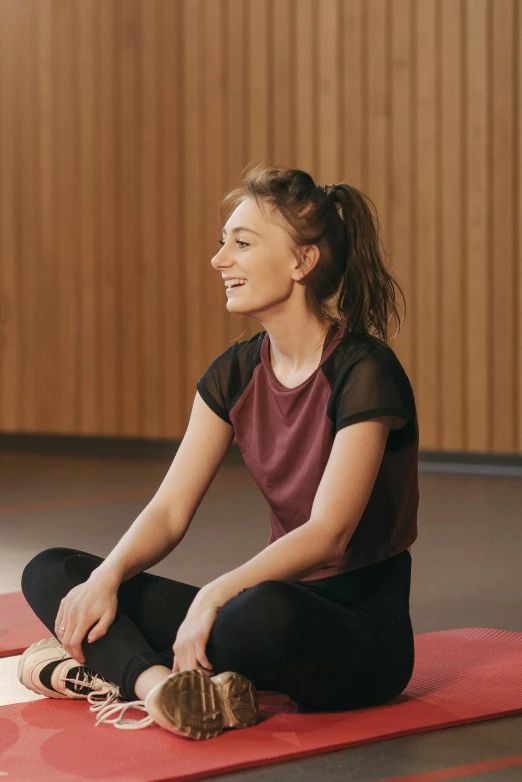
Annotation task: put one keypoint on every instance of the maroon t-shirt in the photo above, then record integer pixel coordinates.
(286, 434)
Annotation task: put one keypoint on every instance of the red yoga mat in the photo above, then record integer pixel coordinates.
(460, 676)
(19, 625)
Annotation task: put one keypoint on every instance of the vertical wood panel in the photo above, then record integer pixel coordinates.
(450, 233)
(10, 313)
(129, 229)
(427, 323)
(328, 116)
(123, 124)
(213, 124)
(89, 313)
(517, 212)
(257, 120)
(305, 106)
(108, 130)
(281, 87)
(235, 107)
(378, 116)
(258, 84)
(476, 199)
(400, 234)
(47, 261)
(502, 324)
(151, 291)
(353, 87)
(194, 279)
(67, 223)
(173, 366)
(26, 221)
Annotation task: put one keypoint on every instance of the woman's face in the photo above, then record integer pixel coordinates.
(256, 248)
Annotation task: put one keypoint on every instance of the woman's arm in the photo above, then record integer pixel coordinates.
(148, 540)
(339, 503)
(294, 556)
(167, 517)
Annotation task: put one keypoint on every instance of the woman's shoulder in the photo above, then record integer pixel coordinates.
(372, 350)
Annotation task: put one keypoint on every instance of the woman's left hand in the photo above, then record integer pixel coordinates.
(192, 636)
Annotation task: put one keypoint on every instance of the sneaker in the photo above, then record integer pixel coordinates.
(47, 669)
(193, 705)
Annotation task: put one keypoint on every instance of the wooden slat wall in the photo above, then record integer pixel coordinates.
(123, 122)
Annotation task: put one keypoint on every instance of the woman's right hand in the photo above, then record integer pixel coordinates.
(88, 606)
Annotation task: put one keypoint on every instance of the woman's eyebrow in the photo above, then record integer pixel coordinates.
(241, 228)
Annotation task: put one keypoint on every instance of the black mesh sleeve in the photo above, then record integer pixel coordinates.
(213, 385)
(377, 385)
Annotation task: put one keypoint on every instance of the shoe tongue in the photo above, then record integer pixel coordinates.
(84, 674)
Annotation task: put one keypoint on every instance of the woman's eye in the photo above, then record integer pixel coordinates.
(221, 242)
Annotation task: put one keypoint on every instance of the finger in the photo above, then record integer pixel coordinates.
(96, 632)
(181, 649)
(187, 658)
(193, 662)
(177, 661)
(201, 655)
(65, 636)
(99, 629)
(76, 643)
(59, 621)
(66, 622)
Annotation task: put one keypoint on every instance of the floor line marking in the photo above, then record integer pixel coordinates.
(454, 772)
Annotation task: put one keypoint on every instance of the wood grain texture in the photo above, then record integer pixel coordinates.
(450, 229)
(401, 198)
(124, 123)
(478, 366)
(502, 337)
(517, 207)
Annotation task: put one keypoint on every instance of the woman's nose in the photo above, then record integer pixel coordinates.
(218, 259)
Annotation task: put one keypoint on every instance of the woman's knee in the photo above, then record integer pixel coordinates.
(46, 569)
(258, 615)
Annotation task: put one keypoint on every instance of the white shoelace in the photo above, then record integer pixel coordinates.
(110, 708)
(102, 696)
(103, 699)
(90, 679)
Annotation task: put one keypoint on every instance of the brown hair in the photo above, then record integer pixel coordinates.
(350, 272)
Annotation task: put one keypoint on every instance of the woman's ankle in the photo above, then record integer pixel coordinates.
(148, 679)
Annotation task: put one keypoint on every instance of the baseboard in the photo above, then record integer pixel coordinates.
(463, 462)
(101, 447)
(471, 463)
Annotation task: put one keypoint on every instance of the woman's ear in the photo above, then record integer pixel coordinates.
(309, 256)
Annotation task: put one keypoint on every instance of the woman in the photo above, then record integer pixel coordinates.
(325, 418)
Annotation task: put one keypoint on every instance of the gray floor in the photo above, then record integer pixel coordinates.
(466, 573)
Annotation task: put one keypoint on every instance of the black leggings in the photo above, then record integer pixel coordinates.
(343, 642)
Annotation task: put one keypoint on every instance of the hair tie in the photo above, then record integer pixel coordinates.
(328, 189)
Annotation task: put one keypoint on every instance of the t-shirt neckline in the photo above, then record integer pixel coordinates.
(332, 338)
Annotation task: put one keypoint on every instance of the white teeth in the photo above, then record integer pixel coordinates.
(229, 283)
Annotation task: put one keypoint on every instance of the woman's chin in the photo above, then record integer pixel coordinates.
(235, 304)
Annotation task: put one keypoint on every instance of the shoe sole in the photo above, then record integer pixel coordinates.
(197, 706)
(237, 697)
(21, 663)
